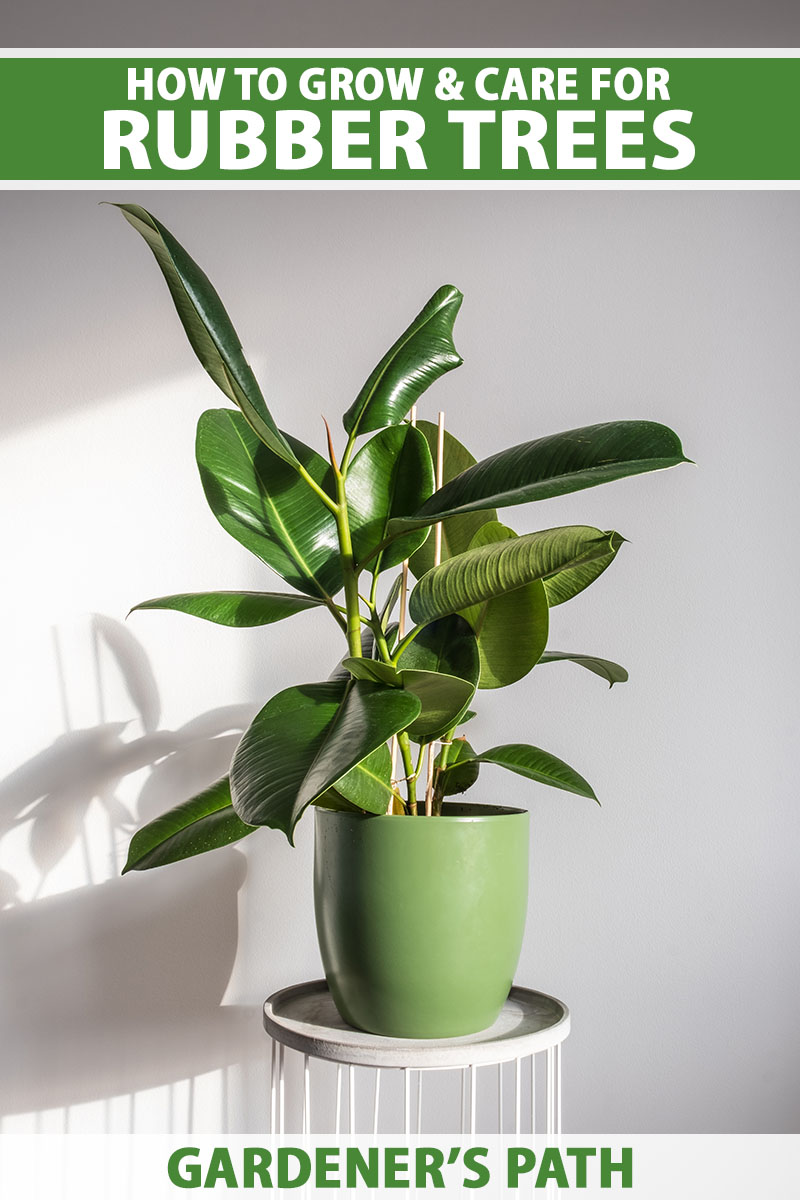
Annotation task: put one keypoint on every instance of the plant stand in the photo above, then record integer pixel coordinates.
(303, 1019)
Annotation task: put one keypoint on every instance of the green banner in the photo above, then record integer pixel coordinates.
(390, 118)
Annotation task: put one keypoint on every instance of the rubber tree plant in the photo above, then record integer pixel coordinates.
(334, 528)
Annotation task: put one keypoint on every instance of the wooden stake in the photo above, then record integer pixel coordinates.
(401, 627)
(437, 558)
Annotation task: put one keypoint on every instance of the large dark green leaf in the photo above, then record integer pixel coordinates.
(368, 784)
(372, 669)
(501, 567)
(610, 671)
(442, 667)
(392, 597)
(335, 801)
(511, 629)
(391, 475)
(240, 610)
(423, 353)
(537, 765)
(208, 328)
(553, 466)
(202, 823)
(457, 532)
(566, 584)
(443, 698)
(305, 740)
(462, 768)
(448, 645)
(263, 503)
(369, 716)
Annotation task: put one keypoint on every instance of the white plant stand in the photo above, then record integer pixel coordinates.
(303, 1019)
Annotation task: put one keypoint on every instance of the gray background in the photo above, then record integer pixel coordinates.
(668, 918)
(374, 23)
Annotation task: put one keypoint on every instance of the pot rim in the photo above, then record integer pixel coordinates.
(477, 812)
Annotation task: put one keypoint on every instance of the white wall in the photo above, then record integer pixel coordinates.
(668, 918)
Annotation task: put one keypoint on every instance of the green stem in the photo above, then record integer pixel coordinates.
(348, 450)
(411, 781)
(349, 573)
(380, 639)
(336, 614)
(444, 754)
(407, 640)
(323, 495)
(373, 593)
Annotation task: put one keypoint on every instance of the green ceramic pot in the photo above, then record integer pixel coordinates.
(420, 920)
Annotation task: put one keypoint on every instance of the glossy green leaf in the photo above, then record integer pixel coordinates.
(368, 784)
(369, 715)
(340, 671)
(373, 670)
(202, 823)
(501, 567)
(305, 740)
(553, 466)
(334, 800)
(442, 667)
(208, 328)
(511, 629)
(565, 584)
(539, 766)
(457, 532)
(448, 645)
(462, 769)
(610, 671)
(263, 503)
(392, 597)
(240, 610)
(419, 356)
(392, 474)
(443, 698)
(278, 749)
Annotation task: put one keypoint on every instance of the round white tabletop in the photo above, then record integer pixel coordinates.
(304, 1018)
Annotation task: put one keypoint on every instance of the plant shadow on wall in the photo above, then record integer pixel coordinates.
(112, 987)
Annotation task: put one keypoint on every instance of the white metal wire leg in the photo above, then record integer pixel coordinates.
(558, 1089)
(499, 1097)
(376, 1100)
(551, 1090)
(306, 1095)
(273, 1086)
(517, 1095)
(406, 1101)
(533, 1093)
(281, 1090)
(419, 1101)
(473, 1097)
(338, 1118)
(351, 1098)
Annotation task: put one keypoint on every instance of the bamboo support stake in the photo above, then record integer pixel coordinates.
(437, 558)
(401, 628)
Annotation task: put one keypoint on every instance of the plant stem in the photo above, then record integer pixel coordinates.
(380, 640)
(411, 781)
(336, 614)
(444, 754)
(349, 572)
(323, 495)
(406, 641)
